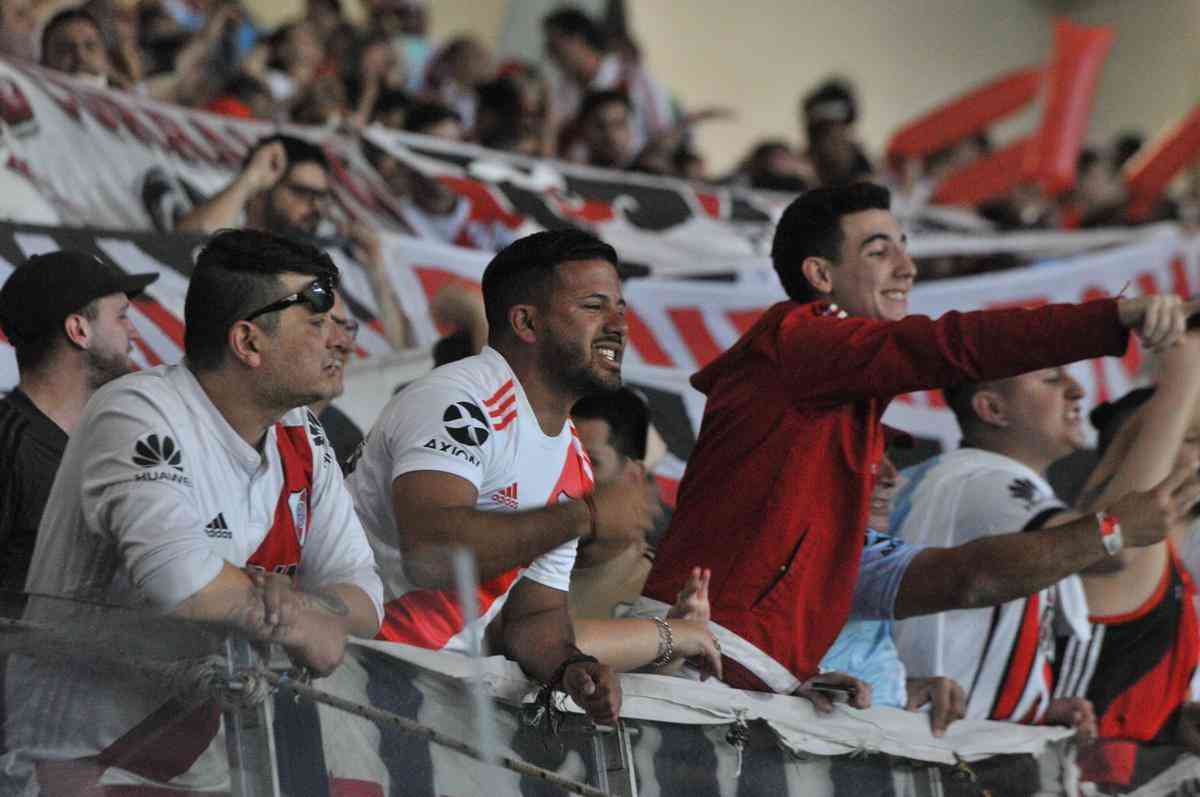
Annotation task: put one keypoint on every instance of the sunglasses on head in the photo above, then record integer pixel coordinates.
(318, 295)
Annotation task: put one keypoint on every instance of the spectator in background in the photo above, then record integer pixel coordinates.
(772, 165)
(614, 428)
(72, 42)
(244, 97)
(406, 24)
(434, 119)
(455, 74)
(577, 47)
(285, 187)
(18, 29)
(828, 115)
(294, 56)
(390, 108)
(508, 117)
(606, 130)
(66, 314)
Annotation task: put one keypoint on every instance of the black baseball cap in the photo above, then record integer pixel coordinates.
(47, 288)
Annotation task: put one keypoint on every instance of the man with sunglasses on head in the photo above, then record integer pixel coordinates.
(285, 188)
(199, 491)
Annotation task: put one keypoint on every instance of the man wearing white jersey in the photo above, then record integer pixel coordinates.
(481, 454)
(197, 490)
(1013, 430)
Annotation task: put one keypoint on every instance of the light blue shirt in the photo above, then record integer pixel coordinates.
(865, 648)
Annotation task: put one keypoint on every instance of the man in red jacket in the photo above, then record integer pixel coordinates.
(775, 497)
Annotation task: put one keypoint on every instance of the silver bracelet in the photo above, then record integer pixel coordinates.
(666, 643)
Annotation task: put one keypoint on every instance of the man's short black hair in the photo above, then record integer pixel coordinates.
(812, 227)
(628, 419)
(571, 21)
(237, 272)
(62, 18)
(297, 150)
(522, 272)
(423, 115)
(595, 100)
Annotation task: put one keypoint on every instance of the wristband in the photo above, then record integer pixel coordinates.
(666, 643)
(579, 658)
(591, 505)
(1110, 532)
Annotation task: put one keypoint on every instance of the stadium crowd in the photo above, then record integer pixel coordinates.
(213, 490)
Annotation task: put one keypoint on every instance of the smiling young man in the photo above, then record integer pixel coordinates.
(197, 490)
(481, 454)
(793, 420)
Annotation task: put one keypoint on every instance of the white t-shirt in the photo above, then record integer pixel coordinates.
(155, 493)
(1000, 655)
(470, 419)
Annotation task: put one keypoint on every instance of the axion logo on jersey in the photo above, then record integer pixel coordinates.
(507, 496)
(1024, 491)
(152, 451)
(444, 447)
(218, 529)
(466, 423)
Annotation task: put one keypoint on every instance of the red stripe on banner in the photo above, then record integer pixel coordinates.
(742, 320)
(1181, 284)
(505, 421)
(695, 334)
(1020, 664)
(710, 202)
(349, 787)
(433, 279)
(668, 489)
(171, 326)
(496, 396)
(504, 405)
(644, 342)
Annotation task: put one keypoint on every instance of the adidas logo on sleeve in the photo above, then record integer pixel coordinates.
(217, 529)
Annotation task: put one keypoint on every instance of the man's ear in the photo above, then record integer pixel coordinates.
(78, 330)
(246, 343)
(817, 270)
(524, 321)
(990, 407)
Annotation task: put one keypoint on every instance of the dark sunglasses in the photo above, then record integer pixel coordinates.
(318, 295)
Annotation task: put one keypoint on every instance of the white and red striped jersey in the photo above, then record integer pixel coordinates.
(470, 419)
(155, 494)
(1002, 655)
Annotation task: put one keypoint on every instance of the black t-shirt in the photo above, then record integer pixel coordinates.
(31, 447)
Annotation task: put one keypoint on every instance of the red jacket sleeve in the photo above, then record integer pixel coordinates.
(840, 359)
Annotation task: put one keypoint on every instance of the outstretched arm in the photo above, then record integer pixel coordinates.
(998, 568)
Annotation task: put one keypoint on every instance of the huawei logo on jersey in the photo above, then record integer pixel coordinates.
(153, 451)
(507, 496)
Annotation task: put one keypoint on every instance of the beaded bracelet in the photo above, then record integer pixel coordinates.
(666, 643)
